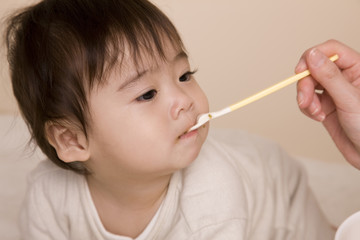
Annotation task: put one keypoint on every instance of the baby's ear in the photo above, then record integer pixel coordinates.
(70, 143)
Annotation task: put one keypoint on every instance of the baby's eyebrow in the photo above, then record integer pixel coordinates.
(180, 55)
(137, 76)
(132, 79)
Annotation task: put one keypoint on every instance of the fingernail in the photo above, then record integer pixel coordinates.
(317, 58)
(316, 109)
(300, 98)
(321, 116)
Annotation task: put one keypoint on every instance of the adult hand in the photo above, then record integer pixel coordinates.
(338, 106)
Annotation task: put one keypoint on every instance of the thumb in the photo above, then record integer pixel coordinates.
(329, 76)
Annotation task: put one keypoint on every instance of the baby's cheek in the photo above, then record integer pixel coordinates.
(203, 101)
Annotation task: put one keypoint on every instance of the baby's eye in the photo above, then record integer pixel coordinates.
(186, 77)
(147, 96)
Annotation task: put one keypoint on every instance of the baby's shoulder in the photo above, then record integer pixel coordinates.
(46, 170)
(51, 180)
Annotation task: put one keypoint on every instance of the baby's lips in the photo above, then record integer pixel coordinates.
(186, 129)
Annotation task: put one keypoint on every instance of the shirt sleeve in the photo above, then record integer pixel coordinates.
(303, 211)
(280, 202)
(287, 200)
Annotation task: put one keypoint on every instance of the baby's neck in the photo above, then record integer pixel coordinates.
(126, 209)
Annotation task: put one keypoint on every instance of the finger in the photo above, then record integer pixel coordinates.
(305, 88)
(348, 57)
(305, 91)
(314, 109)
(327, 104)
(328, 75)
(320, 117)
(301, 66)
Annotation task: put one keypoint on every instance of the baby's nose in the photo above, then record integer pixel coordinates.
(181, 103)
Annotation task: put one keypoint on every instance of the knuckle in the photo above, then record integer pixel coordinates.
(330, 71)
(331, 41)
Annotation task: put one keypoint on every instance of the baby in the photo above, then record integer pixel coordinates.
(108, 94)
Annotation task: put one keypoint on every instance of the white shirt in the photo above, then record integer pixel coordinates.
(239, 187)
(350, 228)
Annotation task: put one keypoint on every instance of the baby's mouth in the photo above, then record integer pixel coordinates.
(187, 134)
(182, 135)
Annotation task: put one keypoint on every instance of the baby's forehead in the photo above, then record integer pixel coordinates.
(129, 64)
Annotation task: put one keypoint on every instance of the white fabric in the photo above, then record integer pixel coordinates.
(350, 228)
(336, 186)
(238, 188)
(107, 235)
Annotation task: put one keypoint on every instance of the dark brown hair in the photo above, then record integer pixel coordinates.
(59, 49)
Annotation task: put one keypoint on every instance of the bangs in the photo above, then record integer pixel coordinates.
(140, 47)
(140, 30)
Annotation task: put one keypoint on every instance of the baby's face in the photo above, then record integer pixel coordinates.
(139, 117)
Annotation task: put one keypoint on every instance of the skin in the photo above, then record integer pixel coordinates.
(338, 107)
(136, 138)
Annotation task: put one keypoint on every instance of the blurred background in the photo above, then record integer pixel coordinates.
(242, 47)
